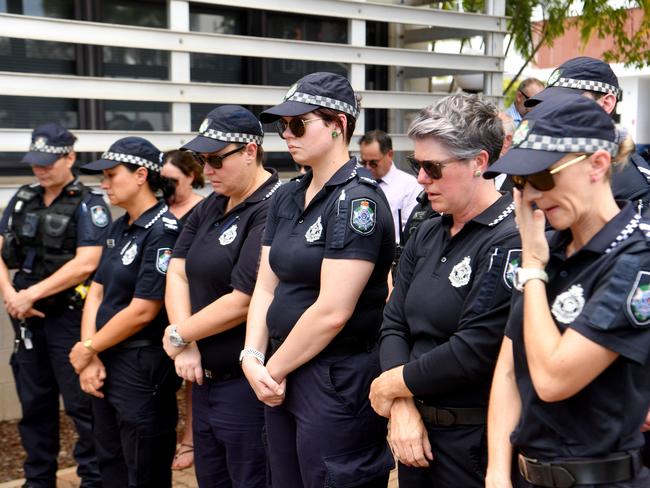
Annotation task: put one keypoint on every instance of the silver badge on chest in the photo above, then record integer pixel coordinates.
(568, 305)
(461, 273)
(229, 235)
(314, 232)
(129, 254)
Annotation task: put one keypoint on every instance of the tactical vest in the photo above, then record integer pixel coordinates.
(39, 240)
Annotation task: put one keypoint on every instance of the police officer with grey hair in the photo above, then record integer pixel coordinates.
(52, 232)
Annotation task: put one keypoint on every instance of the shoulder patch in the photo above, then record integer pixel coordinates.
(513, 261)
(638, 300)
(163, 256)
(363, 215)
(99, 216)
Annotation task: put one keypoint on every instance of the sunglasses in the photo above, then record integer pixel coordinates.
(373, 163)
(526, 97)
(296, 125)
(543, 180)
(214, 160)
(433, 169)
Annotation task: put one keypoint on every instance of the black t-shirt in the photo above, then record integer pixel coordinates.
(602, 292)
(349, 218)
(221, 252)
(445, 318)
(134, 265)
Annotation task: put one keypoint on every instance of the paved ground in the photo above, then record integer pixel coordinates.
(182, 479)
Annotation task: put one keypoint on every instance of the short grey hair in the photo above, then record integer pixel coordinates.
(466, 124)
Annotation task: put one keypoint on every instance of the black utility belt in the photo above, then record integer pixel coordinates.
(135, 343)
(339, 346)
(223, 374)
(565, 474)
(448, 416)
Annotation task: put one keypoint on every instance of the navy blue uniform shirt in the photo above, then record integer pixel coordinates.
(633, 181)
(446, 315)
(134, 265)
(603, 293)
(222, 252)
(349, 218)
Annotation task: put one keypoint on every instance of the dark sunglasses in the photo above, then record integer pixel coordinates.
(433, 169)
(543, 180)
(373, 163)
(526, 97)
(215, 160)
(296, 125)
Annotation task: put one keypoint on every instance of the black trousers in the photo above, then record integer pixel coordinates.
(41, 374)
(135, 422)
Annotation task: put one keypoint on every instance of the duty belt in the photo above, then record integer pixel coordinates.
(452, 416)
(135, 343)
(222, 374)
(565, 474)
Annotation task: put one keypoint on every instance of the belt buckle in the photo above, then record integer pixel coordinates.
(207, 373)
(444, 417)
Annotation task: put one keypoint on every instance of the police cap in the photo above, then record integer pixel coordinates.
(567, 123)
(313, 91)
(133, 150)
(581, 73)
(224, 125)
(49, 142)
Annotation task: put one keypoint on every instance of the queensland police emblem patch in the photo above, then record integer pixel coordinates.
(638, 300)
(99, 216)
(292, 89)
(568, 305)
(129, 254)
(315, 231)
(204, 126)
(363, 217)
(512, 263)
(228, 235)
(555, 75)
(461, 273)
(163, 256)
(40, 143)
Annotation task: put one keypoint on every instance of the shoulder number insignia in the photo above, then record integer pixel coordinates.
(568, 305)
(228, 235)
(461, 273)
(163, 256)
(99, 216)
(638, 300)
(315, 231)
(363, 217)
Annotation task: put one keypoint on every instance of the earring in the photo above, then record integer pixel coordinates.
(478, 173)
(334, 134)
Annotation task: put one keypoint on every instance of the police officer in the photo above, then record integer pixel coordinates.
(595, 79)
(444, 321)
(120, 358)
(571, 388)
(327, 249)
(52, 233)
(211, 278)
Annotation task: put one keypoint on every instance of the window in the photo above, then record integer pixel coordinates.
(128, 115)
(26, 55)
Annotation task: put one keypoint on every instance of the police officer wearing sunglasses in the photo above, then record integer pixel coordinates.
(210, 281)
(52, 233)
(444, 320)
(571, 388)
(328, 245)
(119, 358)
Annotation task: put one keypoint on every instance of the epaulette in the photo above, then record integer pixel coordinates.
(368, 181)
(170, 224)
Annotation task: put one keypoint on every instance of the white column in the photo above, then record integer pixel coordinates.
(357, 37)
(179, 66)
(493, 82)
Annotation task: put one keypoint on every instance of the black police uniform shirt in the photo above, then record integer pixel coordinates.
(446, 315)
(221, 251)
(349, 218)
(92, 219)
(134, 265)
(632, 182)
(603, 293)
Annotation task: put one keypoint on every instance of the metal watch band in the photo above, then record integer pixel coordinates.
(250, 351)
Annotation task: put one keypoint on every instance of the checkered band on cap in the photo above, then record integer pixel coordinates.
(567, 144)
(129, 158)
(51, 149)
(324, 102)
(589, 85)
(232, 136)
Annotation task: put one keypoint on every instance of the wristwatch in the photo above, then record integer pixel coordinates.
(249, 351)
(175, 338)
(523, 275)
(88, 344)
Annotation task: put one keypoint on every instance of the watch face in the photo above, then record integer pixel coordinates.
(175, 339)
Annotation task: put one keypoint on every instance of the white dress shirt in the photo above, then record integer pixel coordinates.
(402, 190)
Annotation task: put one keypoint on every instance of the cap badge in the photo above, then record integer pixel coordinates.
(204, 125)
(512, 263)
(129, 254)
(461, 273)
(291, 91)
(315, 231)
(555, 75)
(568, 305)
(521, 133)
(638, 300)
(229, 235)
(40, 142)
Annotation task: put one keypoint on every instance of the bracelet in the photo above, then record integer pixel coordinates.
(251, 351)
(88, 344)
